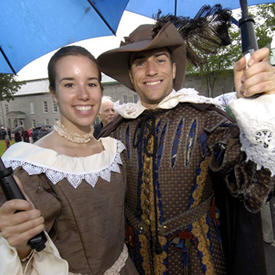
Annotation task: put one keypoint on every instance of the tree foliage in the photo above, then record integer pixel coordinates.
(217, 65)
(8, 86)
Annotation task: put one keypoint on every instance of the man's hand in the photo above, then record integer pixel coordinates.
(258, 77)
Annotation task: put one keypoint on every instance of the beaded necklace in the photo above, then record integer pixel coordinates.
(73, 137)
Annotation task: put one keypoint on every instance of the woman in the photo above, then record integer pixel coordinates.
(75, 181)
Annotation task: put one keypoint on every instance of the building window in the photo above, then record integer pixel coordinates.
(55, 108)
(45, 106)
(125, 99)
(135, 98)
(7, 108)
(31, 108)
(47, 121)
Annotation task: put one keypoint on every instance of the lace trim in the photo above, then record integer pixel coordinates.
(260, 149)
(133, 110)
(119, 263)
(74, 179)
(255, 119)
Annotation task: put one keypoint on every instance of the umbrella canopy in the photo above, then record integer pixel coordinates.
(32, 28)
(182, 7)
(17, 129)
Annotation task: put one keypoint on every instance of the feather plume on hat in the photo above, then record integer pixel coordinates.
(203, 34)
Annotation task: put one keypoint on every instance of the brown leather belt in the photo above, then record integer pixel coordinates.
(173, 224)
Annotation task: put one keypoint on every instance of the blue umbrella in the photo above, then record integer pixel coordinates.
(182, 7)
(32, 28)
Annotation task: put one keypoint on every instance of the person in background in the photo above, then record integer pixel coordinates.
(106, 114)
(9, 133)
(17, 136)
(3, 133)
(184, 154)
(35, 132)
(75, 184)
(25, 135)
(7, 141)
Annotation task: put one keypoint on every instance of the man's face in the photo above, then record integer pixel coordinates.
(152, 74)
(107, 112)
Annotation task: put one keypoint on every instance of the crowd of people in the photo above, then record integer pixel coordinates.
(21, 134)
(186, 179)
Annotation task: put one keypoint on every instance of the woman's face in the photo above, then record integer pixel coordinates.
(78, 92)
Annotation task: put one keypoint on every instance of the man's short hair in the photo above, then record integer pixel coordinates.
(104, 99)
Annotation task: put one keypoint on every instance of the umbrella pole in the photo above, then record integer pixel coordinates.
(176, 5)
(246, 24)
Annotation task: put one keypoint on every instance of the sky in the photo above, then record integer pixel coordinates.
(129, 21)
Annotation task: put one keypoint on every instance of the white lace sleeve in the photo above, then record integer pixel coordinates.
(47, 261)
(256, 120)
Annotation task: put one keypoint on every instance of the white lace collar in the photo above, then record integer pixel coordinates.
(36, 160)
(133, 110)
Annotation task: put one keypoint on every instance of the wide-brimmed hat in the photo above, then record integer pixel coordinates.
(115, 63)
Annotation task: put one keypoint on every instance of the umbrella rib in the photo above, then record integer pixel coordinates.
(101, 16)
(7, 60)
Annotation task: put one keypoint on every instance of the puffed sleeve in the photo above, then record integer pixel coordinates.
(47, 261)
(242, 176)
(42, 195)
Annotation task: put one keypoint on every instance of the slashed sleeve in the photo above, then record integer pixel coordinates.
(243, 177)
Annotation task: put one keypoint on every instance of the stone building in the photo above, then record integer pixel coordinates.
(33, 105)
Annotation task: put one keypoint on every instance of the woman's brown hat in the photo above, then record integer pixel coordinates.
(115, 63)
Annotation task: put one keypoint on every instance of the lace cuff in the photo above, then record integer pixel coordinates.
(40, 263)
(255, 118)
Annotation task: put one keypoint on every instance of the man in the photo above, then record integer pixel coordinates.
(106, 114)
(181, 150)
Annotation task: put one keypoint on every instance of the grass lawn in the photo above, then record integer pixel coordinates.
(3, 146)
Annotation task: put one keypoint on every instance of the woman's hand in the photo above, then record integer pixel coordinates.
(17, 228)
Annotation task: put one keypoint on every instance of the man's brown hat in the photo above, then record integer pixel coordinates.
(115, 63)
(189, 40)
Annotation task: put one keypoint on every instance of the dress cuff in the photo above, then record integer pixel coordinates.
(47, 261)
(10, 262)
(255, 118)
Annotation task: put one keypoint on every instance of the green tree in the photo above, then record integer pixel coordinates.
(217, 65)
(8, 86)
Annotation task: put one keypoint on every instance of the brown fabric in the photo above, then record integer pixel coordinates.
(86, 224)
(115, 63)
(173, 159)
